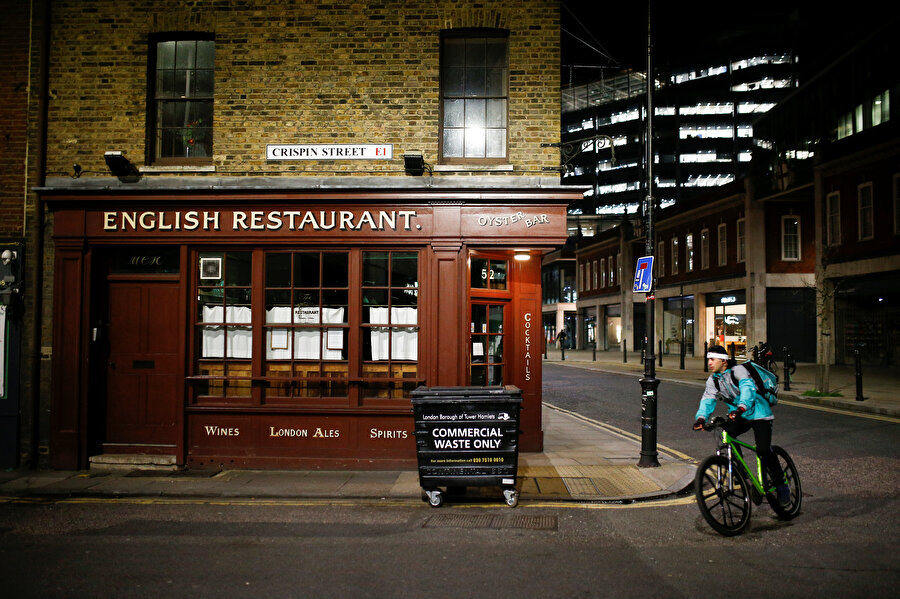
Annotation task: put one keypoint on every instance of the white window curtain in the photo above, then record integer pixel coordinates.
(406, 341)
(306, 343)
(237, 343)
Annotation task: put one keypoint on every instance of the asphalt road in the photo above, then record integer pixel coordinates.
(843, 544)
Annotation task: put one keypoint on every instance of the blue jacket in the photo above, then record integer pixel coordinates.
(743, 395)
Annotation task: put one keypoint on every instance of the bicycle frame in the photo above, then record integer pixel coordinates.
(728, 444)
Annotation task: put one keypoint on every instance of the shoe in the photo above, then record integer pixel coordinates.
(784, 495)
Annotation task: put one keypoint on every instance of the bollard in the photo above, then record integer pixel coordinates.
(682, 352)
(562, 350)
(660, 352)
(859, 385)
(787, 368)
(624, 351)
(731, 351)
(595, 351)
(705, 363)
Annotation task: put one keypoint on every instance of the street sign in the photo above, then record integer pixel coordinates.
(643, 275)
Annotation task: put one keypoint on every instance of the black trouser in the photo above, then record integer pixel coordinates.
(762, 433)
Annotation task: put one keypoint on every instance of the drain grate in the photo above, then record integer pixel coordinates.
(492, 522)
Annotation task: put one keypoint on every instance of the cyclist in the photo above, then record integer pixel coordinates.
(747, 410)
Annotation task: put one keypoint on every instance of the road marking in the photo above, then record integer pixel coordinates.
(622, 433)
(842, 411)
(523, 503)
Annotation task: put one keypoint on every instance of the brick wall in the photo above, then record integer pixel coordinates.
(14, 86)
(316, 71)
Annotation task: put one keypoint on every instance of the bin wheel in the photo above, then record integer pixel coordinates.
(512, 497)
(434, 498)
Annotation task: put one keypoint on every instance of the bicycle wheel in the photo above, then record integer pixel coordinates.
(772, 367)
(723, 496)
(792, 479)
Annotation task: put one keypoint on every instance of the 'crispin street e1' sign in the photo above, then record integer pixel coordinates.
(329, 152)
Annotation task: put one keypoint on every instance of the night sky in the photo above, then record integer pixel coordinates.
(615, 33)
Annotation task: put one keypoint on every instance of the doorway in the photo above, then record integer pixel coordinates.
(142, 367)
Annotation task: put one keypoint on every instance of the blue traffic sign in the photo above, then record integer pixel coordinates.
(643, 275)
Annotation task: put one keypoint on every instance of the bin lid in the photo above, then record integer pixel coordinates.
(508, 393)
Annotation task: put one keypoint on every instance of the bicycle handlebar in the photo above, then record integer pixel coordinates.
(715, 423)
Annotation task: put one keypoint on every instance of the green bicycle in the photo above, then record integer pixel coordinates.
(726, 486)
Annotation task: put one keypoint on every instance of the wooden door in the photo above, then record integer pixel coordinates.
(142, 369)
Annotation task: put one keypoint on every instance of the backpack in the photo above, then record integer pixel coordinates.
(766, 383)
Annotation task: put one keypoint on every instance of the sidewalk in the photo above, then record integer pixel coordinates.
(582, 460)
(880, 385)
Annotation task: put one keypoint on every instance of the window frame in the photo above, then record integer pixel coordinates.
(896, 189)
(865, 214)
(722, 234)
(784, 238)
(153, 124)
(689, 252)
(704, 248)
(473, 34)
(253, 376)
(740, 240)
(660, 259)
(833, 219)
(674, 262)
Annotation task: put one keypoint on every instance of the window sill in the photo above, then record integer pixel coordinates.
(462, 168)
(181, 168)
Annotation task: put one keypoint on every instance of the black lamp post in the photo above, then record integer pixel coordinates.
(649, 384)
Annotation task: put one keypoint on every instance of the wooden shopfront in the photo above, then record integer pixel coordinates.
(287, 329)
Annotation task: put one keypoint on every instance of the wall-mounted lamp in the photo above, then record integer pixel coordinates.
(522, 255)
(119, 165)
(414, 164)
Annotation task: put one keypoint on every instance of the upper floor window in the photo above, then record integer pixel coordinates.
(603, 272)
(474, 96)
(790, 237)
(896, 204)
(740, 240)
(674, 256)
(661, 259)
(181, 116)
(866, 213)
(833, 218)
(704, 248)
(689, 252)
(723, 244)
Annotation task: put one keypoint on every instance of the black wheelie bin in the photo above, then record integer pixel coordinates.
(467, 436)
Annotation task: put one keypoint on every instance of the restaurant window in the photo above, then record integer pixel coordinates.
(180, 118)
(390, 316)
(486, 360)
(224, 330)
(314, 328)
(474, 96)
(307, 335)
